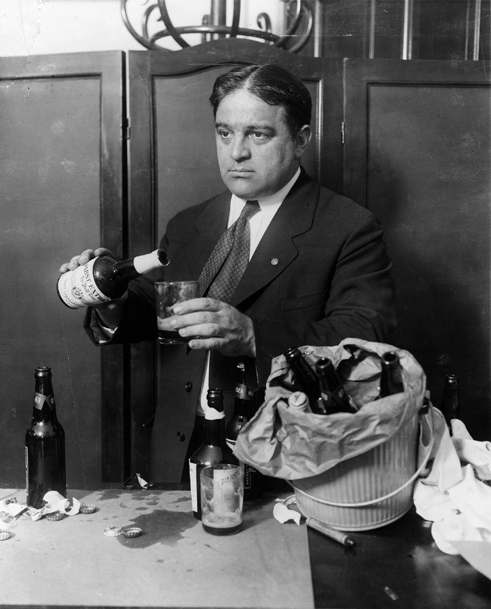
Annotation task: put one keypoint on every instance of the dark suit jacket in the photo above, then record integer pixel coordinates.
(320, 274)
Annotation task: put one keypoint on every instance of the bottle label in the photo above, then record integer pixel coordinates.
(40, 400)
(78, 288)
(193, 482)
(242, 392)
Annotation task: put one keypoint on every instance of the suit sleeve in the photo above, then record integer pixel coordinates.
(360, 302)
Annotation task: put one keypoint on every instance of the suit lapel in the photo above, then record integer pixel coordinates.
(277, 249)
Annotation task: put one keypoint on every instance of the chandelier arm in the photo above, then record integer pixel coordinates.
(303, 39)
(147, 44)
(294, 25)
(169, 25)
(235, 19)
(216, 29)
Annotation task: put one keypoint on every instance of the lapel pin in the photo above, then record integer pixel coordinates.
(274, 261)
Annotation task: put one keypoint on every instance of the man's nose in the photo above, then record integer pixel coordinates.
(240, 149)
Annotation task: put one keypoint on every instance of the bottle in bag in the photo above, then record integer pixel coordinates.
(391, 375)
(450, 402)
(103, 279)
(214, 448)
(333, 394)
(299, 401)
(305, 379)
(244, 410)
(44, 444)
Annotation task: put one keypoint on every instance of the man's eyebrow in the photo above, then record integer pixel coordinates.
(260, 127)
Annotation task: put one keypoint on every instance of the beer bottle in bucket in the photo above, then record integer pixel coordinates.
(333, 394)
(305, 379)
(103, 279)
(391, 375)
(44, 444)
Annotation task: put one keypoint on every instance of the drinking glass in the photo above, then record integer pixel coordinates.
(222, 498)
(167, 294)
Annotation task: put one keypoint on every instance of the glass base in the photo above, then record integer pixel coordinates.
(222, 530)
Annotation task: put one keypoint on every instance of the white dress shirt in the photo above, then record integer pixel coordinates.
(257, 226)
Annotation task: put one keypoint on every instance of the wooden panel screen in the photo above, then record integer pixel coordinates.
(60, 183)
(418, 155)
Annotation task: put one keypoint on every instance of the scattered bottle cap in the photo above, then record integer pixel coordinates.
(87, 508)
(5, 534)
(132, 532)
(113, 531)
(54, 516)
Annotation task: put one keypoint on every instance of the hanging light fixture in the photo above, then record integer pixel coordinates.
(153, 15)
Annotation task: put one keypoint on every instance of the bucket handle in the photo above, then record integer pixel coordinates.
(427, 416)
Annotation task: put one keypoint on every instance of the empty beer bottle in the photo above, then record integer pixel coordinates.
(244, 410)
(44, 444)
(333, 394)
(305, 379)
(214, 448)
(450, 401)
(391, 375)
(103, 279)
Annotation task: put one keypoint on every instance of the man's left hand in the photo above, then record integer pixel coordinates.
(219, 326)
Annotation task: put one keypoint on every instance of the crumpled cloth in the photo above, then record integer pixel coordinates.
(455, 495)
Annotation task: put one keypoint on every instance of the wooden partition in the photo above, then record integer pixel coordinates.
(60, 192)
(418, 155)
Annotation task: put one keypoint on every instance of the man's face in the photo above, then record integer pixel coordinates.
(257, 154)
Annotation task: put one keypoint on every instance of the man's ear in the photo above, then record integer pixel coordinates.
(302, 139)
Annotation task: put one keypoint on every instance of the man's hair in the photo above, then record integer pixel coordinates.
(274, 85)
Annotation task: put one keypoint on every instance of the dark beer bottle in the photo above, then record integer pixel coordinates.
(103, 279)
(391, 376)
(450, 401)
(333, 394)
(305, 379)
(244, 410)
(214, 448)
(45, 444)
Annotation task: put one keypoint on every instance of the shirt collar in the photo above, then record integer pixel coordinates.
(274, 199)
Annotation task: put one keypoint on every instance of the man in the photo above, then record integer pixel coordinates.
(318, 271)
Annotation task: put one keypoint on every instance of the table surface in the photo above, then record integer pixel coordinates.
(176, 564)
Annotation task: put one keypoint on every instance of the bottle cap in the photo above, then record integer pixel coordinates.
(5, 534)
(53, 516)
(113, 531)
(87, 508)
(132, 532)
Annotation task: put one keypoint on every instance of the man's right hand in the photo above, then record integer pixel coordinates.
(84, 257)
(109, 313)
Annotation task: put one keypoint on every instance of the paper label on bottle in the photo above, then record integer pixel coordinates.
(78, 288)
(40, 400)
(193, 485)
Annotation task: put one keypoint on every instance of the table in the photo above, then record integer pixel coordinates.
(176, 564)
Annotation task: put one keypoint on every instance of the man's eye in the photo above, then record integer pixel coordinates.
(224, 133)
(259, 135)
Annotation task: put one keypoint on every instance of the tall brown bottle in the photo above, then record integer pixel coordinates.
(450, 402)
(214, 448)
(44, 444)
(244, 410)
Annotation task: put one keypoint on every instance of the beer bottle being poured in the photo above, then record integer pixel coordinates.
(103, 279)
(44, 444)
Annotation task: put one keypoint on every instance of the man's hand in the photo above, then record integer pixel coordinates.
(216, 325)
(84, 257)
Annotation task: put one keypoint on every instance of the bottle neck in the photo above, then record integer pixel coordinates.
(133, 267)
(214, 432)
(44, 407)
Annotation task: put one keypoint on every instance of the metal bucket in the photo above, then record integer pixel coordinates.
(368, 491)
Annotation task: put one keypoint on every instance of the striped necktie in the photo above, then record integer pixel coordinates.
(230, 257)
